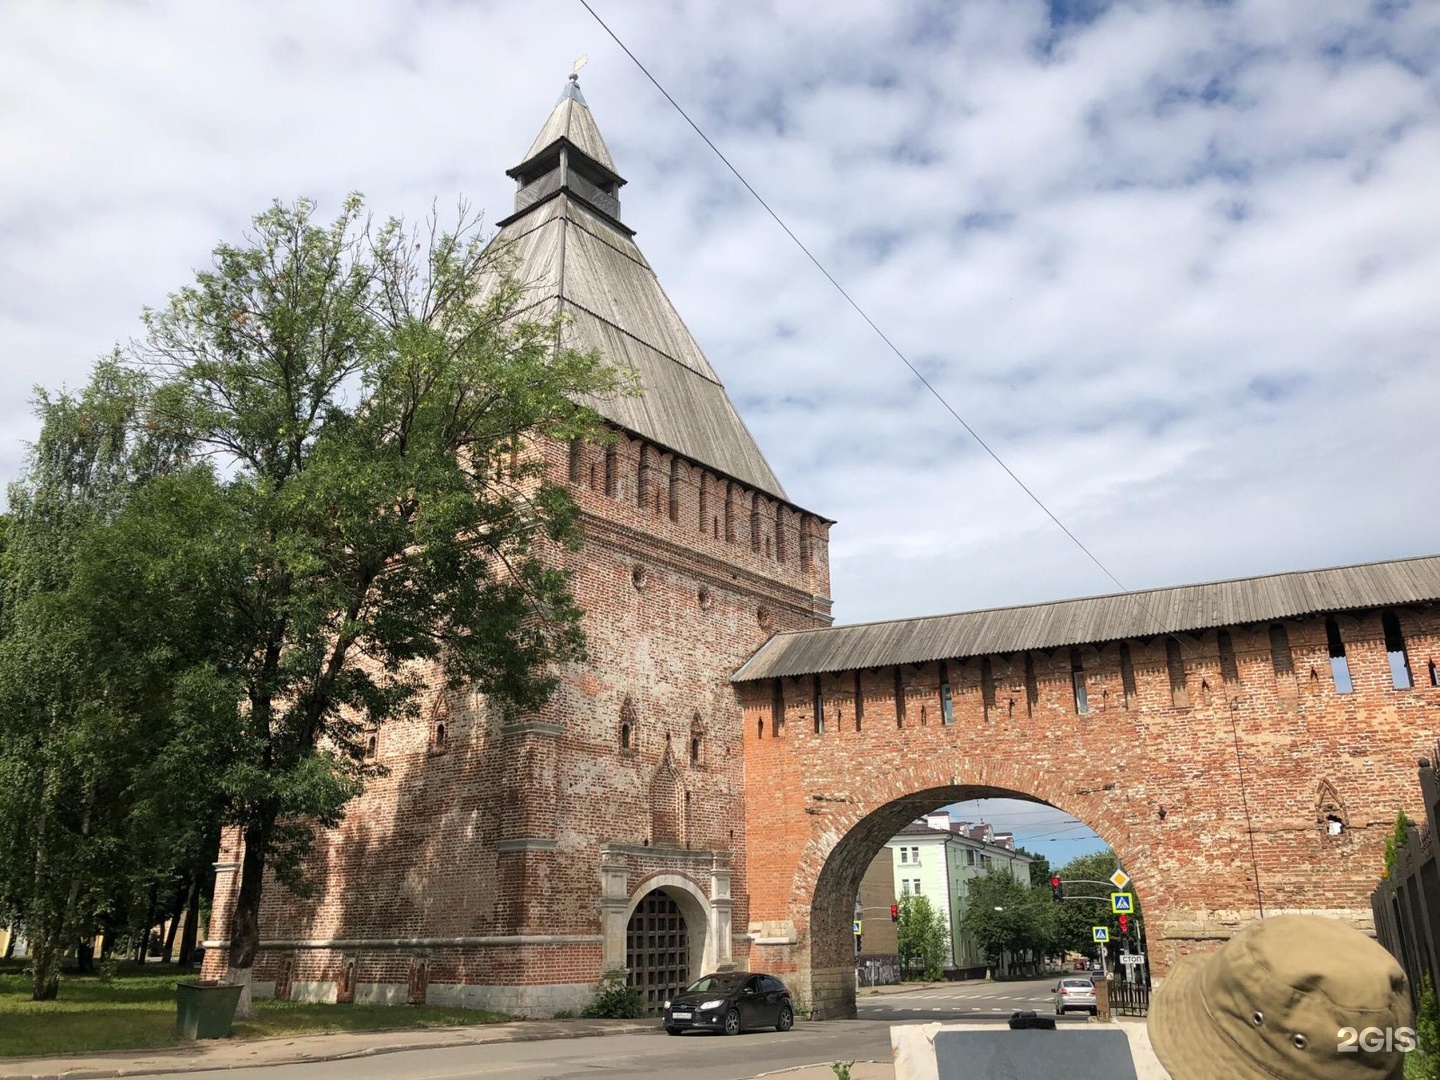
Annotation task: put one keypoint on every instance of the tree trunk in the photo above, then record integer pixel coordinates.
(85, 957)
(245, 923)
(144, 949)
(192, 921)
(176, 911)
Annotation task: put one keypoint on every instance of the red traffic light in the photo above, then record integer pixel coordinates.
(1055, 880)
(1124, 923)
(894, 912)
(1057, 889)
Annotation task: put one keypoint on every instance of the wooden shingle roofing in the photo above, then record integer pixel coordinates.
(571, 252)
(1096, 619)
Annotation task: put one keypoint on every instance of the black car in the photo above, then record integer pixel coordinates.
(730, 1002)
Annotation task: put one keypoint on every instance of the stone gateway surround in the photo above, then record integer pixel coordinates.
(707, 790)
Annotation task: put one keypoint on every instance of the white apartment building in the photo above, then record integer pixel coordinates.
(936, 858)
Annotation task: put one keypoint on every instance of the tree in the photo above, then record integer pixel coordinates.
(371, 501)
(83, 693)
(1005, 915)
(921, 935)
(1040, 872)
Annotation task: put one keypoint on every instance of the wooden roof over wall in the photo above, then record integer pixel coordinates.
(1096, 619)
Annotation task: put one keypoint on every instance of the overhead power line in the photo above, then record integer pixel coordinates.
(855, 305)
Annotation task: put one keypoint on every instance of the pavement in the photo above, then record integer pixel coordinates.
(335, 1046)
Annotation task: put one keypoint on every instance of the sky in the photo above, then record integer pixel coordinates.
(1039, 829)
(1176, 263)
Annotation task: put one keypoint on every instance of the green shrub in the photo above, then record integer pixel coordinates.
(614, 1000)
(842, 1069)
(1423, 1063)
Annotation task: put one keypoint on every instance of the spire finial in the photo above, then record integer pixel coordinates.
(575, 67)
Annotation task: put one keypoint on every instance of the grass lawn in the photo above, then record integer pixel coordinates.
(136, 1011)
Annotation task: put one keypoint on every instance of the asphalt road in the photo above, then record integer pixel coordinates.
(699, 1056)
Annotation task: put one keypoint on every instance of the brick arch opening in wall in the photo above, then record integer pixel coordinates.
(828, 874)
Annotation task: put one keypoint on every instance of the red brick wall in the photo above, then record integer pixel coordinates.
(821, 805)
(672, 609)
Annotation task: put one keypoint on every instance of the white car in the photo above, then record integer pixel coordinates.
(1074, 992)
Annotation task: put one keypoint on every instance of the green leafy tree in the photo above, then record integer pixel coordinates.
(369, 500)
(1039, 869)
(1076, 915)
(921, 935)
(1006, 915)
(85, 688)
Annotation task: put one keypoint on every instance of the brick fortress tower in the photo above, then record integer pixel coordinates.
(507, 863)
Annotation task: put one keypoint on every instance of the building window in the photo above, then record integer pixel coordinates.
(1434, 674)
(777, 710)
(628, 718)
(899, 698)
(642, 487)
(904, 856)
(987, 685)
(947, 706)
(859, 702)
(1179, 693)
(371, 744)
(1229, 666)
(610, 466)
(969, 856)
(819, 705)
(1077, 680)
(1280, 657)
(577, 454)
(437, 743)
(1032, 686)
(1400, 675)
(1339, 664)
(1127, 674)
(915, 856)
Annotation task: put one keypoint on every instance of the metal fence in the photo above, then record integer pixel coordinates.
(1406, 905)
(1129, 998)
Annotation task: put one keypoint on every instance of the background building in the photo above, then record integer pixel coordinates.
(937, 858)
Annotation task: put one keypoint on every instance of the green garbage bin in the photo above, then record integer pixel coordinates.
(205, 1009)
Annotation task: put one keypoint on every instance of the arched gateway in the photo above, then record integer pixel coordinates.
(1199, 748)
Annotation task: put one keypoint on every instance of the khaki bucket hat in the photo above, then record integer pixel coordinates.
(1290, 997)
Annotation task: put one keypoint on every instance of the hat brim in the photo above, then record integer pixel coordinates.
(1183, 1035)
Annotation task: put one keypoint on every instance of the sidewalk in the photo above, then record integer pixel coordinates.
(251, 1053)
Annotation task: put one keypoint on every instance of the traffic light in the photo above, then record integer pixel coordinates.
(1124, 924)
(894, 912)
(1057, 890)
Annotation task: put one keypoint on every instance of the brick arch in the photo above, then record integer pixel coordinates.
(827, 875)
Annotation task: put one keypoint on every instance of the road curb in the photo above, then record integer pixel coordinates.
(159, 1069)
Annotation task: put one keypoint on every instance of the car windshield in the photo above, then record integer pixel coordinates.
(1078, 984)
(717, 983)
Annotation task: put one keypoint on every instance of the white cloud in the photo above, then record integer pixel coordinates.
(1176, 264)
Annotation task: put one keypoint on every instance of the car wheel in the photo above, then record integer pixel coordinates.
(787, 1019)
(672, 1031)
(732, 1022)
(1059, 1011)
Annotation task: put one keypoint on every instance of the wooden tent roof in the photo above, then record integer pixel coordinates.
(571, 251)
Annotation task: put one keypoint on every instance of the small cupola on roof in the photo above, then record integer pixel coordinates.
(569, 155)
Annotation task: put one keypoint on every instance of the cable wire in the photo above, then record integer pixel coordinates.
(858, 309)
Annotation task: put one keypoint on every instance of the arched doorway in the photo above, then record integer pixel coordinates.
(657, 949)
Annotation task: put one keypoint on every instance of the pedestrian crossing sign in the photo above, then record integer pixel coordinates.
(1100, 933)
(1122, 903)
(857, 927)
